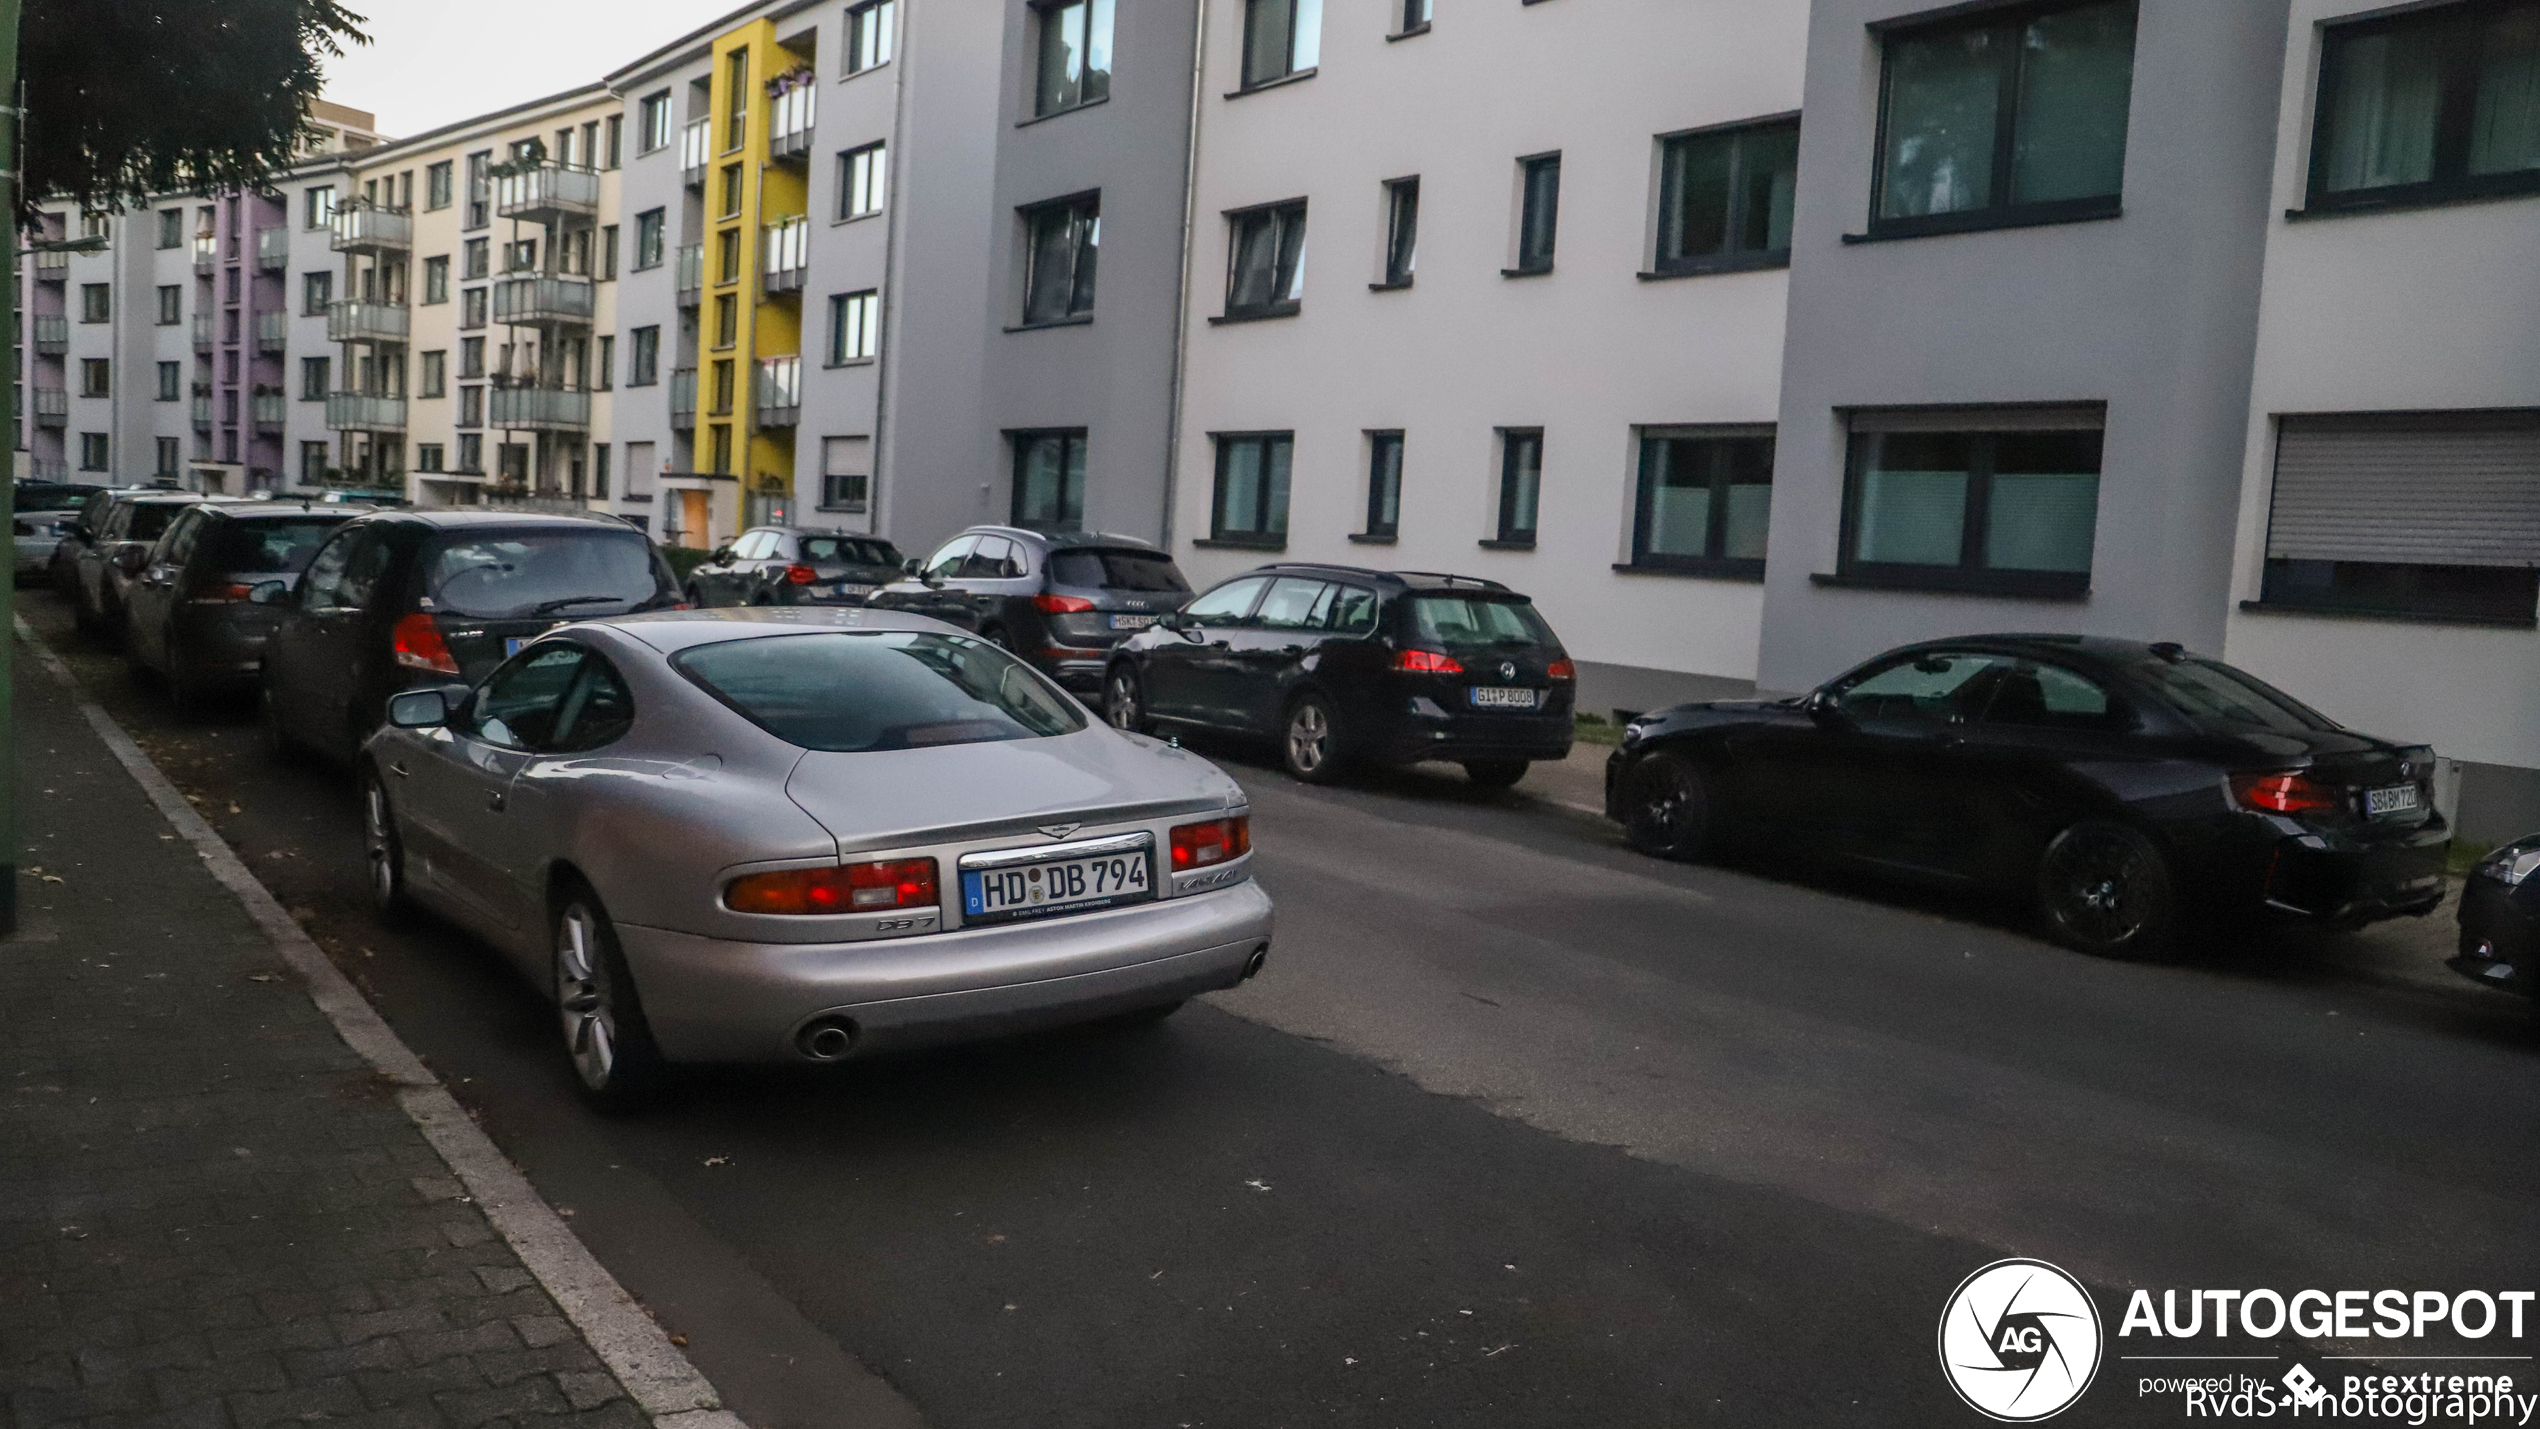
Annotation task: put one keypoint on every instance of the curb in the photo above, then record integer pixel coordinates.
(654, 1373)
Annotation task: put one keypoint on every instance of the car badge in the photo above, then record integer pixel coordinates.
(2406, 769)
(1508, 669)
(1060, 831)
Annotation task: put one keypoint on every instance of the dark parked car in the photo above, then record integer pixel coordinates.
(35, 538)
(2500, 920)
(108, 547)
(190, 616)
(1347, 666)
(405, 598)
(28, 497)
(795, 565)
(1059, 599)
(2116, 784)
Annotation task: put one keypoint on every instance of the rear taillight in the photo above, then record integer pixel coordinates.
(2282, 793)
(1427, 662)
(849, 888)
(1217, 841)
(221, 593)
(1562, 670)
(1048, 604)
(800, 575)
(419, 645)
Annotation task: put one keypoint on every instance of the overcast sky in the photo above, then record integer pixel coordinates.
(433, 62)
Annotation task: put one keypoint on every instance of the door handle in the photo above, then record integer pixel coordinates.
(398, 769)
(494, 800)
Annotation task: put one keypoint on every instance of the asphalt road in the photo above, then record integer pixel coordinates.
(1517, 1129)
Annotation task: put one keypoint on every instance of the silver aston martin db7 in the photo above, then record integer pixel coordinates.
(797, 834)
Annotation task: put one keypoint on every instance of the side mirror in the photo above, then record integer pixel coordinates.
(1821, 707)
(269, 592)
(131, 557)
(418, 709)
(909, 567)
(722, 555)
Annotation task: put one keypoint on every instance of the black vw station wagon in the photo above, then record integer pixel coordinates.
(2116, 784)
(1059, 599)
(1347, 666)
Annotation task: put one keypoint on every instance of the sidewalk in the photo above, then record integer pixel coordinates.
(214, 1210)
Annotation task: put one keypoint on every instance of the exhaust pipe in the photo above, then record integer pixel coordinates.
(1252, 965)
(827, 1039)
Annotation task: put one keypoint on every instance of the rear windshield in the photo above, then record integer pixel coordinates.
(1478, 620)
(849, 551)
(272, 545)
(1117, 570)
(2215, 695)
(849, 692)
(44, 496)
(526, 573)
(151, 520)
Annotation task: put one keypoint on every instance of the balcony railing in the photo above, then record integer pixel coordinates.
(206, 252)
(202, 332)
(270, 410)
(51, 266)
(53, 469)
(52, 335)
(696, 151)
(361, 228)
(555, 302)
(546, 193)
(539, 409)
(273, 331)
(351, 320)
(273, 249)
(202, 411)
(683, 399)
(360, 412)
(692, 274)
(52, 406)
(776, 392)
(789, 122)
(785, 255)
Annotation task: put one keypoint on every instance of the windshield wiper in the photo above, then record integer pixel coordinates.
(551, 607)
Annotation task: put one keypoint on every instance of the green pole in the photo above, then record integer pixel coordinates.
(9, 163)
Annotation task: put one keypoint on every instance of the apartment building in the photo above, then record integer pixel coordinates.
(1500, 290)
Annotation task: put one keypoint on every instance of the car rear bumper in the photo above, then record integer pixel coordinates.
(2344, 879)
(215, 644)
(711, 1000)
(2498, 942)
(1463, 737)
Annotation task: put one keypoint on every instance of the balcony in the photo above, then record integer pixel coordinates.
(538, 409)
(683, 399)
(543, 302)
(202, 332)
(52, 406)
(270, 408)
(52, 266)
(206, 253)
(273, 331)
(360, 412)
(53, 469)
(202, 408)
(776, 391)
(52, 335)
(361, 228)
(696, 151)
(789, 118)
(692, 275)
(273, 249)
(351, 320)
(548, 193)
(784, 255)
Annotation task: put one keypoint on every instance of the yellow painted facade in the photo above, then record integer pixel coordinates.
(745, 193)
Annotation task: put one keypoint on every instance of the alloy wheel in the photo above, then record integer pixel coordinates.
(380, 847)
(2104, 889)
(1309, 740)
(583, 1000)
(1668, 811)
(1120, 703)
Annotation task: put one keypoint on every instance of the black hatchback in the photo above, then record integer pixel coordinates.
(1347, 666)
(2116, 784)
(410, 598)
(1059, 599)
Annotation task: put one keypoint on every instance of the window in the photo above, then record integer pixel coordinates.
(96, 377)
(471, 357)
(1706, 501)
(471, 407)
(1538, 212)
(600, 470)
(1265, 273)
(650, 226)
(476, 258)
(433, 375)
(171, 228)
(436, 278)
(862, 176)
(722, 388)
(2425, 514)
(521, 256)
(736, 89)
(480, 189)
(1061, 241)
(317, 291)
(1075, 55)
(2014, 116)
(428, 456)
(1281, 38)
(846, 473)
(2435, 104)
(1384, 485)
(471, 307)
(731, 191)
(1402, 231)
(855, 327)
(317, 208)
(314, 378)
(436, 185)
(171, 379)
(168, 457)
(471, 453)
(171, 306)
(1724, 198)
(604, 368)
(1251, 505)
(608, 252)
(1520, 485)
(652, 122)
(96, 302)
(1941, 501)
(869, 35)
(1415, 17)
(719, 441)
(313, 469)
(644, 361)
(728, 256)
(1049, 479)
(92, 451)
(727, 321)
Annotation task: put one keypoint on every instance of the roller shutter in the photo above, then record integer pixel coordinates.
(2434, 489)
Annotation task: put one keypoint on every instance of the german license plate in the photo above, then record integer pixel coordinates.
(1502, 697)
(1040, 890)
(1133, 622)
(2397, 799)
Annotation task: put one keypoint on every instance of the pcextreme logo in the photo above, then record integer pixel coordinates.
(2020, 1341)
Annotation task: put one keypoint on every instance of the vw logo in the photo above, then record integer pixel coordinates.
(1508, 669)
(2020, 1340)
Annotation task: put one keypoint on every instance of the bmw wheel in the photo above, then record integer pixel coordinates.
(1311, 744)
(1124, 702)
(605, 1035)
(1665, 807)
(2105, 889)
(382, 849)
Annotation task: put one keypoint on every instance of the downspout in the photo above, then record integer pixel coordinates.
(892, 280)
(1182, 299)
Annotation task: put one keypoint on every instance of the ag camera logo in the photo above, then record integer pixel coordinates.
(2020, 1341)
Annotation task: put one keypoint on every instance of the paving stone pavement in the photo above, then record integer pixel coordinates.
(213, 1213)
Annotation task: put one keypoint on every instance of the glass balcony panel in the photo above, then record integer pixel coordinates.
(350, 320)
(361, 412)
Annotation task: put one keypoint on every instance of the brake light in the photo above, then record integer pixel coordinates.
(1562, 670)
(2282, 793)
(848, 888)
(1427, 662)
(221, 593)
(419, 645)
(1048, 604)
(1217, 841)
(800, 575)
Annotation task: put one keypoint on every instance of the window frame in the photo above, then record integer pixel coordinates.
(1044, 14)
(655, 126)
(2455, 113)
(1072, 477)
(1970, 575)
(432, 373)
(1504, 497)
(643, 355)
(1082, 215)
(652, 230)
(884, 37)
(1290, 70)
(1379, 529)
(875, 186)
(1402, 248)
(1236, 219)
(440, 185)
(436, 279)
(1524, 261)
(1670, 200)
(845, 323)
(1263, 537)
(1713, 561)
